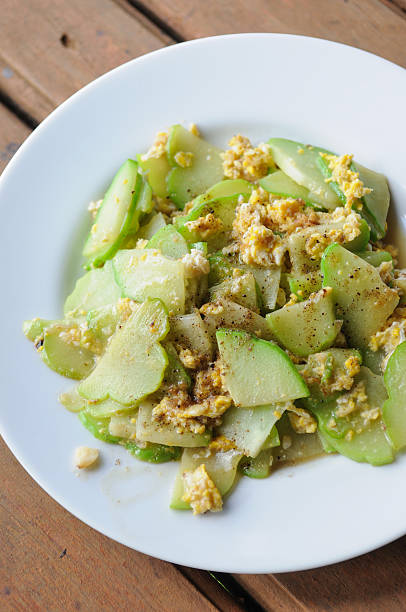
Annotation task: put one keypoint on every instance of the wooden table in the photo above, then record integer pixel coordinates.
(49, 559)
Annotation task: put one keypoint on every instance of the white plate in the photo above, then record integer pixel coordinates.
(260, 85)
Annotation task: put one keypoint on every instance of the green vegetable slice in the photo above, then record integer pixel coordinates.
(394, 408)
(134, 363)
(257, 372)
(115, 215)
(364, 301)
(206, 169)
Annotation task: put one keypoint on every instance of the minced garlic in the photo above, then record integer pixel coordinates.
(85, 457)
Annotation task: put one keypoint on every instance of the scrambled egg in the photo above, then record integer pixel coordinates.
(184, 159)
(391, 335)
(221, 444)
(318, 241)
(166, 207)
(204, 406)
(158, 148)
(193, 129)
(348, 180)
(195, 264)
(242, 160)
(322, 370)
(201, 492)
(189, 358)
(205, 226)
(302, 421)
(354, 400)
(81, 336)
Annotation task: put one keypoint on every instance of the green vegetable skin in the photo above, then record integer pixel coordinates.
(394, 408)
(114, 218)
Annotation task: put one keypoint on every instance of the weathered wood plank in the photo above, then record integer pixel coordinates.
(368, 24)
(66, 45)
(373, 582)
(13, 133)
(52, 561)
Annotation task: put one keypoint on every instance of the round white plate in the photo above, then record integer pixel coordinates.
(261, 85)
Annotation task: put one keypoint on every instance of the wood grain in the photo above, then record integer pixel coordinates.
(66, 45)
(13, 133)
(94, 573)
(373, 582)
(368, 24)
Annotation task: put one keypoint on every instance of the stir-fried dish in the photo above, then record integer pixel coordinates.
(239, 310)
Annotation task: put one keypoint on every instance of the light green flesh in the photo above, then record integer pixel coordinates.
(72, 401)
(220, 268)
(302, 446)
(33, 328)
(123, 426)
(259, 466)
(306, 327)
(149, 430)
(364, 301)
(95, 289)
(302, 285)
(63, 357)
(375, 258)
(221, 467)
(175, 373)
(103, 322)
(249, 428)
(147, 231)
(394, 409)
(156, 170)
(371, 444)
(144, 273)
(184, 184)
(170, 242)
(233, 316)
(241, 290)
(134, 363)
(268, 280)
(143, 207)
(191, 332)
(229, 187)
(114, 217)
(280, 184)
(304, 170)
(373, 360)
(106, 408)
(257, 372)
